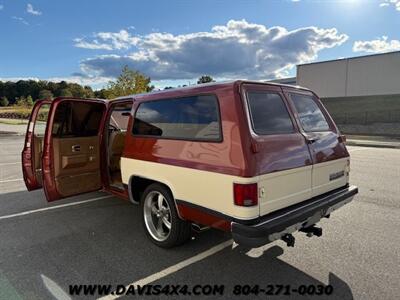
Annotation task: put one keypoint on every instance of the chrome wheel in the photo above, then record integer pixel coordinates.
(157, 216)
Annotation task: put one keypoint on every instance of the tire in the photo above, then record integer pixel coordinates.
(160, 218)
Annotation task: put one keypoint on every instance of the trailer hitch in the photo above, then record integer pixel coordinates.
(312, 230)
(288, 239)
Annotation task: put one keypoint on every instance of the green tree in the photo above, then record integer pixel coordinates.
(101, 94)
(129, 82)
(205, 79)
(45, 94)
(66, 93)
(29, 101)
(88, 92)
(20, 101)
(76, 90)
(4, 101)
(24, 88)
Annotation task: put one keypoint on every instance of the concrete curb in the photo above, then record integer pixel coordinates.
(11, 134)
(375, 144)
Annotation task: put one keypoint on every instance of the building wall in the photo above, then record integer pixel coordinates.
(353, 77)
(364, 110)
(327, 79)
(361, 93)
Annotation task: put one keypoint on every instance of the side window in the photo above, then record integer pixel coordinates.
(120, 116)
(192, 118)
(77, 119)
(310, 115)
(268, 113)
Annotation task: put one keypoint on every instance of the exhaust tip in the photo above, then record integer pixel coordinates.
(199, 228)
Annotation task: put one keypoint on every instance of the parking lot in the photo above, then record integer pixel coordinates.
(98, 239)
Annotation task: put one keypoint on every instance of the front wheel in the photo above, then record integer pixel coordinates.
(160, 218)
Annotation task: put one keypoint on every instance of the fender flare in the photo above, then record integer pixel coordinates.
(130, 192)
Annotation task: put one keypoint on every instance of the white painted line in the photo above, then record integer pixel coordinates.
(54, 288)
(7, 164)
(11, 180)
(358, 149)
(53, 207)
(175, 268)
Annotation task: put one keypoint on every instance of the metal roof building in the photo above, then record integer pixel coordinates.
(361, 93)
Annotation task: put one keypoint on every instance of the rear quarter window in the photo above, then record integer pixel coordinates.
(268, 113)
(187, 118)
(310, 115)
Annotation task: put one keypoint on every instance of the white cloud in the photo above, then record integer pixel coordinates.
(93, 45)
(32, 11)
(1, 6)
(395, 3)
(108, 41)
(377, 46)
(238, 49)
(83, 80)
(22, 20)
(15, 79)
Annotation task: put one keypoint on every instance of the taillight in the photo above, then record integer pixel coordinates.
(245, 194)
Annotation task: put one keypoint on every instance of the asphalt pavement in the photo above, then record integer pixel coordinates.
(99, 239)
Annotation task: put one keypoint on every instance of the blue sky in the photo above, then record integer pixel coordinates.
(176, 41)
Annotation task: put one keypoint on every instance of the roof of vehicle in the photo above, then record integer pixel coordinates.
(208, 86)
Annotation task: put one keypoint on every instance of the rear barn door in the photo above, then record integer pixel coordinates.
(71, 155)
(283, 159)
(328, 152)
(33, 147)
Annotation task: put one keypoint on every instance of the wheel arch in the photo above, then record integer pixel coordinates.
(142, 183)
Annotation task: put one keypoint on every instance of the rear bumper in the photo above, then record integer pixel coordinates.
(302, 215)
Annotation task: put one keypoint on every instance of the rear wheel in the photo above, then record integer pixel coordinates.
(160, 218)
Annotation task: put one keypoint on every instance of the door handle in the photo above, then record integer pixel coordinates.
(311, 140)
(76, 148)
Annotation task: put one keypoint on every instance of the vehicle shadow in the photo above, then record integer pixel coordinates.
(266, 269)
(103, 242)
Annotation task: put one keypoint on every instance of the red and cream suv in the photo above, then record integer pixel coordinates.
(257, 159)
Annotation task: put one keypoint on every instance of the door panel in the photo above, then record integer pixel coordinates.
(71, 155)
(328, 152)
(32, 152)
(76, 165)
(329, 175)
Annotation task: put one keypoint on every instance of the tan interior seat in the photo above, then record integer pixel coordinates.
(116, 147)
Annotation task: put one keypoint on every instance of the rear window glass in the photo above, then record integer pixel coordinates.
(77, 119)
(310, 115)
(268, 113)
(192, 118)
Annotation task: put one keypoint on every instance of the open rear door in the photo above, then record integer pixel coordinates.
(33, 147)
(71, 154)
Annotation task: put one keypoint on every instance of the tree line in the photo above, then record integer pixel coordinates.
(25, 92)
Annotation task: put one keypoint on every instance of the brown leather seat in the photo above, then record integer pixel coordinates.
(116, 147)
